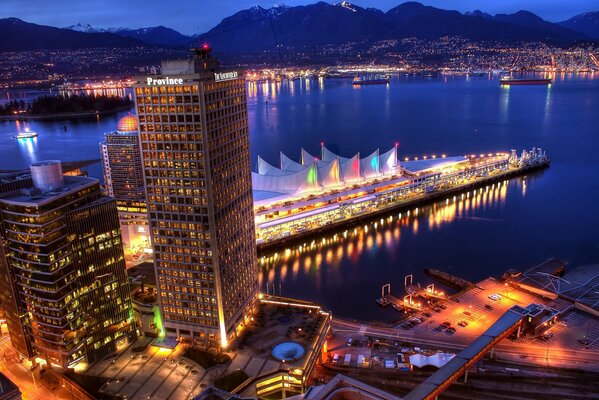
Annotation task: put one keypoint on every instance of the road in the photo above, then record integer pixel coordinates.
(523, 352)
(30, 387)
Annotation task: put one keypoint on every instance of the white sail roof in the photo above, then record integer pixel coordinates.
(328, 155)
(331, 172)
(264, 168)
(388, 162)
(370, 165)
(294, 183)
(288, 165)
(350, 169)
(328, 173)
(307, 158)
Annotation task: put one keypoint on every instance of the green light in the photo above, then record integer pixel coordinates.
(158, 322)
(312, 178)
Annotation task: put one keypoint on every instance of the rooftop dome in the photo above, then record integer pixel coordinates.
(127, 124)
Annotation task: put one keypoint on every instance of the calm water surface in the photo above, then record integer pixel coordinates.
(548, 214)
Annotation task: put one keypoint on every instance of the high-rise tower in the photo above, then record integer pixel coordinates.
(123, 179)
(196, 161)
(63, 268)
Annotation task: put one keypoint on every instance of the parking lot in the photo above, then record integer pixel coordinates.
(468, 314)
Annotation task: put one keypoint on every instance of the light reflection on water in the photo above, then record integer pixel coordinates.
(452, 115)
(378, 235)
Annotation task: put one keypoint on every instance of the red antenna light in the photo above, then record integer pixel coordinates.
(396, 144)
(205, 46)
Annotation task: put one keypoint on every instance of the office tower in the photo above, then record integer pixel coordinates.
(63, 264)
(195, 150)
(123, 179)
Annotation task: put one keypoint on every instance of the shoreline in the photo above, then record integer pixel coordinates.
(63, 116)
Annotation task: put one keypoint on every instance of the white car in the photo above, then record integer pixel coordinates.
(494, 297)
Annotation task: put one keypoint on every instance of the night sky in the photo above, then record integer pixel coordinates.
(198, 16)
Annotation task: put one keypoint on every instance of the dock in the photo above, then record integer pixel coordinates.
(448, 279)
(406, 304)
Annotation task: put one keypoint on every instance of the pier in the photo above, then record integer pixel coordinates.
(400, 205)
(448, 279)
(411, 301)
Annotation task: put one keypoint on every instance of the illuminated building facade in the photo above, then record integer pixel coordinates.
(64, 266)
(196, 161)
(123, 179)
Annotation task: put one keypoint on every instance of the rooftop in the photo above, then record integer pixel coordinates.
(580, 285)
(342, 387)
(285, 320)
(127, 124)
(35, 197)
(418, 166)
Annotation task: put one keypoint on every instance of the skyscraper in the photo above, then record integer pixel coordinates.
(123, 179)
(196, 161)
(64, 268)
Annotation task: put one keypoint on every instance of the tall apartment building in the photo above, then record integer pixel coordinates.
(196, 161)
(123, 179)
(62, 269)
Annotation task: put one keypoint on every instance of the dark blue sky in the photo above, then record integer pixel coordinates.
(197, 16)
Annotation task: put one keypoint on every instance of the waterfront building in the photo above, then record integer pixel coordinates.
(196, 163)
(62, 269)
(316, 193)
(123, 180)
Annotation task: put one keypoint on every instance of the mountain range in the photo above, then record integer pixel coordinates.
(311, 26)
(156, 35)
(17, 35)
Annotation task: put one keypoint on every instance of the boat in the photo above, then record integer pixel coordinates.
(506, 80)
(371, 80)
(26, 135)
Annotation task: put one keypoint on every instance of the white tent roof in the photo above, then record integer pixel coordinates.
(264, 168)
(313, 173)
(288, 165)
(437, 360)
(307, 158)
(298, 182)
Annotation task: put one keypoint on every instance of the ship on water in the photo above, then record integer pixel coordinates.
(297, 199)
(371, 80)
(28, 134)
(507, 80)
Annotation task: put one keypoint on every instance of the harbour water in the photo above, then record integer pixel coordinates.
(551, 213)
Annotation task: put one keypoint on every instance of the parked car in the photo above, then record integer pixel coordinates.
(463, 323)
(584, 342)
(489, 307)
